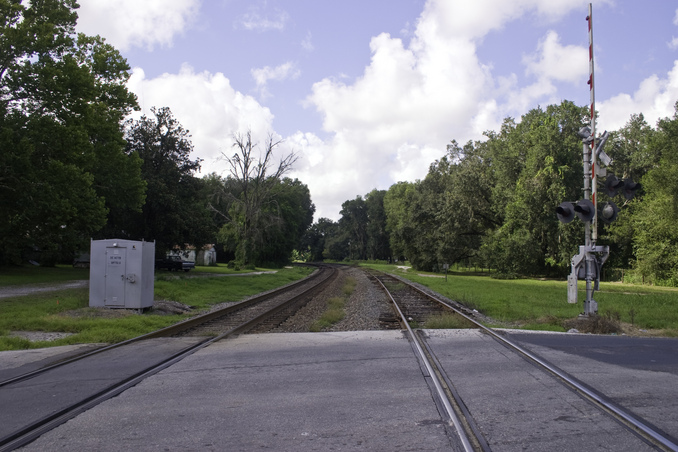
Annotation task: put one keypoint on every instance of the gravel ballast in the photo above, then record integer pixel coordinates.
(363, 308)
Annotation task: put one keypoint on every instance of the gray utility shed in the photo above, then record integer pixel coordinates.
(121, 273)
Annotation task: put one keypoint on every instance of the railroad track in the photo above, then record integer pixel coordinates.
(61, 391)
(416, 307)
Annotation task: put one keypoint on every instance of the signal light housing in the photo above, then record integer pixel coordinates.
(609, 212)
(584, 210)
(630, 188)
(613, 185)
(565, 212)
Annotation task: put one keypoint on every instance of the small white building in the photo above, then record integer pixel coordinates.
(207, 256)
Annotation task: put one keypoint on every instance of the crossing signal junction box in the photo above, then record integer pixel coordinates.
(121, 274)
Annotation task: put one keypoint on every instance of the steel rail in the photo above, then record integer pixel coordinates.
(169, 330)
(635, 424)
(32, 431)
(442, 396)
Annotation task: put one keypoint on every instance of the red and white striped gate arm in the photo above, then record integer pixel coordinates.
(594, 163)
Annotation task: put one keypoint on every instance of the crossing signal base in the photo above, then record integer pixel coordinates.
(587, 266)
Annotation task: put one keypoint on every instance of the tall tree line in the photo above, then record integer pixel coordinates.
(492, 202)
(63, 167)
(73, 168)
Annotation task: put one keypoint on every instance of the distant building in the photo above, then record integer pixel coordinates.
(207, 256)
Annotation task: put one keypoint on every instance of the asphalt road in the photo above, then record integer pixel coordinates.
(640, 374)
(641, 353)
(365, 391)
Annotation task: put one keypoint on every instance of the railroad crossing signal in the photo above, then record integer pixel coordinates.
(585, 210)
(630, 188)
(613, 185)
(609, 212)
(586, 265)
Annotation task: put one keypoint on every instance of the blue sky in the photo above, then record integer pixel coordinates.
(369, 92)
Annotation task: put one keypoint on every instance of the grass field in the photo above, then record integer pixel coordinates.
(67, 311)
(542, 304)
(11, 276)
(524, 303)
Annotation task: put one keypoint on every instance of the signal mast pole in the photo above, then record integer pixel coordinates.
(591, 229)
(594, 175)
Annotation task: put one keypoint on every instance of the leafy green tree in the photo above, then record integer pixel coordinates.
(317, 237)
(465, 211)
(353, 224)
(399, 209)
(654, 217)
(633, 156)
(377, 236)
(537, 165)
(292, 205)
(250, 196)
(62, 102)
(176, 210)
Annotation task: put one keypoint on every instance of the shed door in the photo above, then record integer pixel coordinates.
(116, 263)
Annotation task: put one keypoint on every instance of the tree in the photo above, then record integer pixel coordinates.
(633, 156)
(353, 224)
(317, 237)
(377, 236)
(654, 217)
(536, 165)
(62, 102)
(292, 204)
(399, 209)
(176, 209)
(250, 195)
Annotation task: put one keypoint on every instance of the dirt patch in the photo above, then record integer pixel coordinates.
(36, 336)
(160, 307)
(169, 307)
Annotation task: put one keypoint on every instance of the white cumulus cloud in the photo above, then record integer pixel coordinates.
(655, 98)
(288, 70)
(395, 119)
(258, 19)
(207, 105)
(390, 123)
(554, 61)
(133, 23)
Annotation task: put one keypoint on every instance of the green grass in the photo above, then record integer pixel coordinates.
(447, 322)
(333, 314)
(29, 274)
(205, 292)
(223, 269)
(542, 304)
(335, 311)
(47, 312)
(67, 310)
